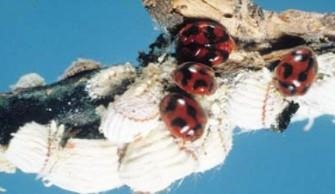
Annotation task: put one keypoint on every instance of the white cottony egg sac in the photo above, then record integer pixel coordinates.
(29, 148)
(84, 166)
(253, 102)
(133, 114)
(154, 162)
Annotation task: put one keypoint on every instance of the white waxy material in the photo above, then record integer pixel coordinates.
(253, 102)
(84, 166)
(105, 82)
(136, 112)
(28, 81)
(79, 66)
(31, 146)
(28, 148)
(154, 162)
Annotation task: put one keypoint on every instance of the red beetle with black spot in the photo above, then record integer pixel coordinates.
(296, 72)
(204, 41)
(183, 116)
(195, 78)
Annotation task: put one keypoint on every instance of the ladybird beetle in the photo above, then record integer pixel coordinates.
(195, 78)
(204, 41)
(183, 116)
(296, 72)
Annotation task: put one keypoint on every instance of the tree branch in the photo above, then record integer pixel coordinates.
(73, 116)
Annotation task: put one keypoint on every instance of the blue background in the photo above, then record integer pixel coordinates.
(46, 36)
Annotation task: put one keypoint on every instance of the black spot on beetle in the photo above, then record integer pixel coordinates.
(193, 46)
(178, 122)
(193, 30)
(187, 75)
(287, 70)
(302, 76)
(172, 103)
(200, 84)
(191, 111)
(209, 33)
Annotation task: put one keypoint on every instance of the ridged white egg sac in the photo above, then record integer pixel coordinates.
(154, 162)
(31, 146)
(5, 165)
(133, 114)
(254, 103)
(84, 166)
(107, 80)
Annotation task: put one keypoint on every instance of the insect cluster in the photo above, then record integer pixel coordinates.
(203, 45)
